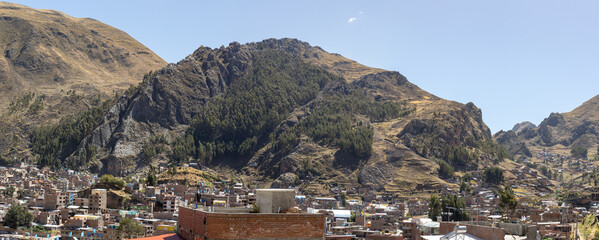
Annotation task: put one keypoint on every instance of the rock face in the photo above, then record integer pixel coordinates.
(65, 63)
(523, 126)
(168, 101)
(461, 126)
(509, 140)
(576, 128)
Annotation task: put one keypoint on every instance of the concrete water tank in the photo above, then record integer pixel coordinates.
(274, 200)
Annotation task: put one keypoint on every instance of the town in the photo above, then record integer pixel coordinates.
(42, 204)
(266, 120)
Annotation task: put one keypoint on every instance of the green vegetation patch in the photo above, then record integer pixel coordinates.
(53, 143)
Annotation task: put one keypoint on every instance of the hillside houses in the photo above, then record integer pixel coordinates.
(68, 203)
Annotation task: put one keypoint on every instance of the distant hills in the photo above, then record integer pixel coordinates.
(53, 65)
(578, 128)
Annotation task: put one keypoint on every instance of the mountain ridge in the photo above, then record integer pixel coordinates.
(166, 103)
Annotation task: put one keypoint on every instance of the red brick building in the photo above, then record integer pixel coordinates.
(195, 224)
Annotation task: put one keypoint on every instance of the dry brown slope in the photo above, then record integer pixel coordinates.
(66, 63)
(589, 111)
(47, 51)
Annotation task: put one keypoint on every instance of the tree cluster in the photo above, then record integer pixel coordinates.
(459, 156)
(327, 126)
(579, 152)
(449, 207)
(546, 171)
(6, 161)
(445, 169)
(507, 200)
(241, 120)
(493, 175)
(37, 105)
(112, 181)
(495, 150)
(431, 143)
(332, 121)
(18, 216)
(130, 228)
(53, 143)
(434, 208)
(151, 179)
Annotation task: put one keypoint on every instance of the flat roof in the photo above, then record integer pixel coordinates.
(548, 223)
(275, 190)
(325, 198)
(432, 237)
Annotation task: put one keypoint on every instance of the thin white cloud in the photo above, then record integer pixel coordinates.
(352, 20)
(360, 12)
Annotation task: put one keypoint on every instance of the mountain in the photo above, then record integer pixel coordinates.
(53, 65)
(578, 128)
(523, 126)
(285, 113)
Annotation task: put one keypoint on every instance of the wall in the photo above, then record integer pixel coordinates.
(164, 215)
(487, 233)
(513, 228)
(194, 224)
(190, 224)
(274, 200)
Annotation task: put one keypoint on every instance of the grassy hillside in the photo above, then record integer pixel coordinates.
(53, 65)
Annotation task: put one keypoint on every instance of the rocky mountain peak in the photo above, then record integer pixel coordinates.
(523, 126)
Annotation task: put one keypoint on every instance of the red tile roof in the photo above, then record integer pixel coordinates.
(171, 236)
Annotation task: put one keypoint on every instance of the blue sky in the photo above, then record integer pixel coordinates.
(516, 60)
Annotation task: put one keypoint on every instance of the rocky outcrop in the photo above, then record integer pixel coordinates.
(509, 140)
(285, 180)
(166, 101)
(523, 126)
(462, 126)
(579, 127)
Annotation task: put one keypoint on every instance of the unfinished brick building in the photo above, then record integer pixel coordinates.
(194, 224)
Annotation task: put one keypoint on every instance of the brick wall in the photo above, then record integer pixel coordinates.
(194, 224)
(191, 224)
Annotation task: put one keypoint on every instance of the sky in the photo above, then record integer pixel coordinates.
(516, 60)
